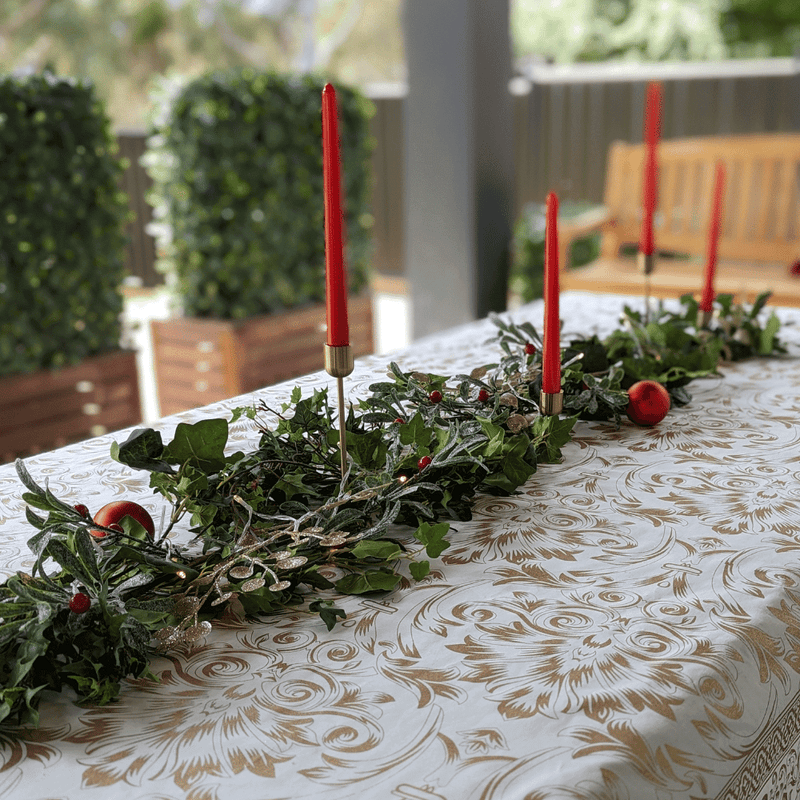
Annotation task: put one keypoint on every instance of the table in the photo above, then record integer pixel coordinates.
(627, 627)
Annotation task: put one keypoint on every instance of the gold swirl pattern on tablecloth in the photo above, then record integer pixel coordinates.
(627, 627)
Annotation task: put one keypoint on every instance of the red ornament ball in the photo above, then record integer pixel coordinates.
(530, 349)
(423, 462)
(79, 603)
(82, 510)
(111, 513)
(435, 396)
(483, 395)
(648, 402)
(400, 421)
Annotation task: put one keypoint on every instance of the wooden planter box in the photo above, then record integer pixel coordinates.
(201, 361)
(44, 410)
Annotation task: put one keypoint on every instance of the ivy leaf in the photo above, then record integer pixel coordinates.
(376, 548)
(415, 432)
(367, 449)
(553, 432)
(432, 536)
(294, 483)
(381, 580)
(419, 569)
(201, 444)
(327, 611)
(143, 449)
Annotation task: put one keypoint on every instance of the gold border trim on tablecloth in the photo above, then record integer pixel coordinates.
(780, 742)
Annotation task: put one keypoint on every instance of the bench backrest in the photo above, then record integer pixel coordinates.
(761, 213)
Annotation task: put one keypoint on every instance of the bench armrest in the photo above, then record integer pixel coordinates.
(595, 219)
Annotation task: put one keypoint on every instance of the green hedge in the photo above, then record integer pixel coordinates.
(62, 214)
(237, 168)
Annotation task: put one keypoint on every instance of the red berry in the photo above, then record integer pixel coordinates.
(79, 603)
(483, 395)
(111, 513)
(82, 510)
(423, 462)
(400, 421)
(648, 402)
(529, 349)
(435, 396)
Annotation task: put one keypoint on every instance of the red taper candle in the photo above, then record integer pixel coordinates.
(335, 271)
(652, 131)
(551, 344)
(707, 299)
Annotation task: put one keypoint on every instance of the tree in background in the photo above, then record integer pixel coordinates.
(758, 28)
(654, 30)
(122, 45)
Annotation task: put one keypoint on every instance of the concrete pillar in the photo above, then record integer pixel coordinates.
(459, 157)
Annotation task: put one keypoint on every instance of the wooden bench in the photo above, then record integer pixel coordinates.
(760, 233)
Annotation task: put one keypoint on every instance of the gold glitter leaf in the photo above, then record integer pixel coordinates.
(197, 631)
(186, 606)
(222, 598)
(241, 572)
(335, 540)
(253, 584)
(162, 634)
(280, 586)
(516, 423)
(291, 563)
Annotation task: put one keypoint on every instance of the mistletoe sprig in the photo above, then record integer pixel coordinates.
(280, 527)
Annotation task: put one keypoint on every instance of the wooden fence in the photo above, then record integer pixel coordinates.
(565, 118)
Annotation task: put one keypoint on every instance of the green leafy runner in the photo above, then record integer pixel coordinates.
(279, 526)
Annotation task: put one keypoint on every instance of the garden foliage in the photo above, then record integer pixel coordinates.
(61, 239)
(238, 190)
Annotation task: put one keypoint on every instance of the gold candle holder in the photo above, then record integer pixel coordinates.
(645, 262)
(551, 404)
(339, 364)
(704, 318)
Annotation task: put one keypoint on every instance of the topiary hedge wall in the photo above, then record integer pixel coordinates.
(237, 168)
(62, 219)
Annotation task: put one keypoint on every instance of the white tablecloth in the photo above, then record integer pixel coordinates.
(627, 627)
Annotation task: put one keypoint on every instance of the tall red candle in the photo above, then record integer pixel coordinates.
(707, 298)
(335, 272)
(551, 346)
(652, 131)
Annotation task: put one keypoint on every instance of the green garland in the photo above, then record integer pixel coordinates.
(268, 524)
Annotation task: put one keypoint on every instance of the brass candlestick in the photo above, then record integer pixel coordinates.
(551, 404)
(704, 318)
(645, 263)
(339, 364)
